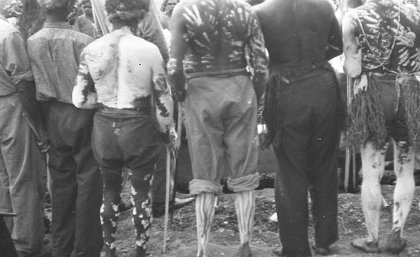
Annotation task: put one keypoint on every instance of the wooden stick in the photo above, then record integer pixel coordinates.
(168, 184)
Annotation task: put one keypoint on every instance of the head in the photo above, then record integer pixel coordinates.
(254, 2)
(126, 12)
(59, 8)
(170, 5)
(86, 7)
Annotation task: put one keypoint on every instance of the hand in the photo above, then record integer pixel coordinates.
(170, 139)
(180, 95)
(44, 145)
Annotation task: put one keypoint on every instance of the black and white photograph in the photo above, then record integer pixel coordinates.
(209, 128)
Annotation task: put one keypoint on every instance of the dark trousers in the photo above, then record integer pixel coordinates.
(76, 184)
(22, 177)
(126, 140)
(306, 147)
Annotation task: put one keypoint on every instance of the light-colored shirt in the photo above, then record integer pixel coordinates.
(86, 26)
(14, 62)
(123, 69)
(382, 36)
(54, 52)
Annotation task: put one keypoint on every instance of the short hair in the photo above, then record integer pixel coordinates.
(126, 10)
(83, 2)
(51, 5)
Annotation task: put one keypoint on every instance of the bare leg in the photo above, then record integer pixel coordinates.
(403, 194)
(204, 209)
(245, 209)
(373, 164)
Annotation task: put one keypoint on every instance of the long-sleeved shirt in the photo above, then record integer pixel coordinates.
(382, 36)
(14, 62)
(124, 70)
(54, 52)
(213, 37)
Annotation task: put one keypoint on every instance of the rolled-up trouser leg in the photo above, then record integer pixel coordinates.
(405, 186)
(204, 210)
(141, 179)
(373, 164)
(109, 211)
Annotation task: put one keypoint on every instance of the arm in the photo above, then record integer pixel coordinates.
(15, 59)
(257, 55)
(83, 94)
(162, 96)
(352, 51)
(178, 50)
(16, 63)
(335, 41)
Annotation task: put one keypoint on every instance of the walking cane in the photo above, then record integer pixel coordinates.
(168, 185)
(348, 152)
(169, 173)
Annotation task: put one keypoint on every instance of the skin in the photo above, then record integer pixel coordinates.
(87, 10)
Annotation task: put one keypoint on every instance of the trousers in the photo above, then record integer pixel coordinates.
(76, 184)
(221, 125)
(22, 177)
(306, 146)
(126, 140)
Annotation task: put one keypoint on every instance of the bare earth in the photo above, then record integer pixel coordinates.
(225, 237)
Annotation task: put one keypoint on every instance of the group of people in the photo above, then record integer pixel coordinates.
(100, 106)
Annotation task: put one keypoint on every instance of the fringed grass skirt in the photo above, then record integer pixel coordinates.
(366, 117)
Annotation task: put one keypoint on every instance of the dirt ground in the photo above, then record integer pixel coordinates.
(225, 238)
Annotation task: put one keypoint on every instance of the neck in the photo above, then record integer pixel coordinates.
(55, 18)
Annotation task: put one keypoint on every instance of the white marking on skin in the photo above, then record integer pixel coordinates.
(133, 191)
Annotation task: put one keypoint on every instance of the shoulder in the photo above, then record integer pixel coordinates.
(79, 37)
(7, 30)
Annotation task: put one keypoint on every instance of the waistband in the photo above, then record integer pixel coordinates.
(143, 106)
(291, 74)
(219, 74)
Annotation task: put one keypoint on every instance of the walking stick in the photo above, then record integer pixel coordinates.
(348, 152)
(168, 184)
(168, 174)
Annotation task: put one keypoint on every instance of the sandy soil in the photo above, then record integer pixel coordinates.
(225, 238)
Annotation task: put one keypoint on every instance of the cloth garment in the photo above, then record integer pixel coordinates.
(303, 115)
(54, 52)
(76, 185)
(221, 124)
(143, 75)
(22, 166)
(159, 179)
(306, 147)
(86, 26)
(14, 59)
(22, 177)
(126, 139)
